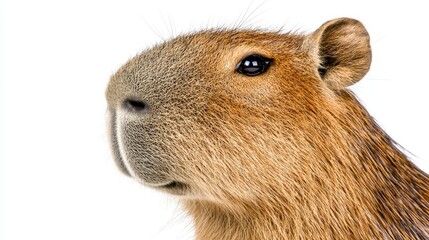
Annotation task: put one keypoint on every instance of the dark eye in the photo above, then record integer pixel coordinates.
(253, 65)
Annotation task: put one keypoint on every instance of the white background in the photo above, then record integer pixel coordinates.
(58, 180)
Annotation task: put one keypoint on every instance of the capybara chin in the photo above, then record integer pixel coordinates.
(259, 137)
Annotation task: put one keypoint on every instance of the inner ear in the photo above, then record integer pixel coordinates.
(341, 50)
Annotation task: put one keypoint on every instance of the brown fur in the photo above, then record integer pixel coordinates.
(288, 154)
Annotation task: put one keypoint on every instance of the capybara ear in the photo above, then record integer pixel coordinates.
(341, 49)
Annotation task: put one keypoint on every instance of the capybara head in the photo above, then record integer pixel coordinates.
(259, 136)
(231, 115)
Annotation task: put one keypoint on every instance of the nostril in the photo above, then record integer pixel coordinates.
(135, 106)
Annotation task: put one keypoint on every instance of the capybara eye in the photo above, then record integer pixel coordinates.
(253, 65)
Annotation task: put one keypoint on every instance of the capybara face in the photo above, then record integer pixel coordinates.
(228, 115)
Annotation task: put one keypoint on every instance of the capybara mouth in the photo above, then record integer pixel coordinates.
(174, 187)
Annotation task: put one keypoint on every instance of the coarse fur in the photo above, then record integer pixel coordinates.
(288, 154)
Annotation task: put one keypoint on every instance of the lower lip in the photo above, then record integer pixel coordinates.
(171, 185)
(174, 187)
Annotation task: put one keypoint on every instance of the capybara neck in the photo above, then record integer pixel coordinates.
(364, 188)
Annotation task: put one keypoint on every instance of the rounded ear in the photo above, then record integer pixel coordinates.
(341, 50)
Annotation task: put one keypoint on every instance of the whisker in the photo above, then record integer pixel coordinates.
(165, 24)
(243, 17)
(172, 26)
(248, 19)
(154, 30)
